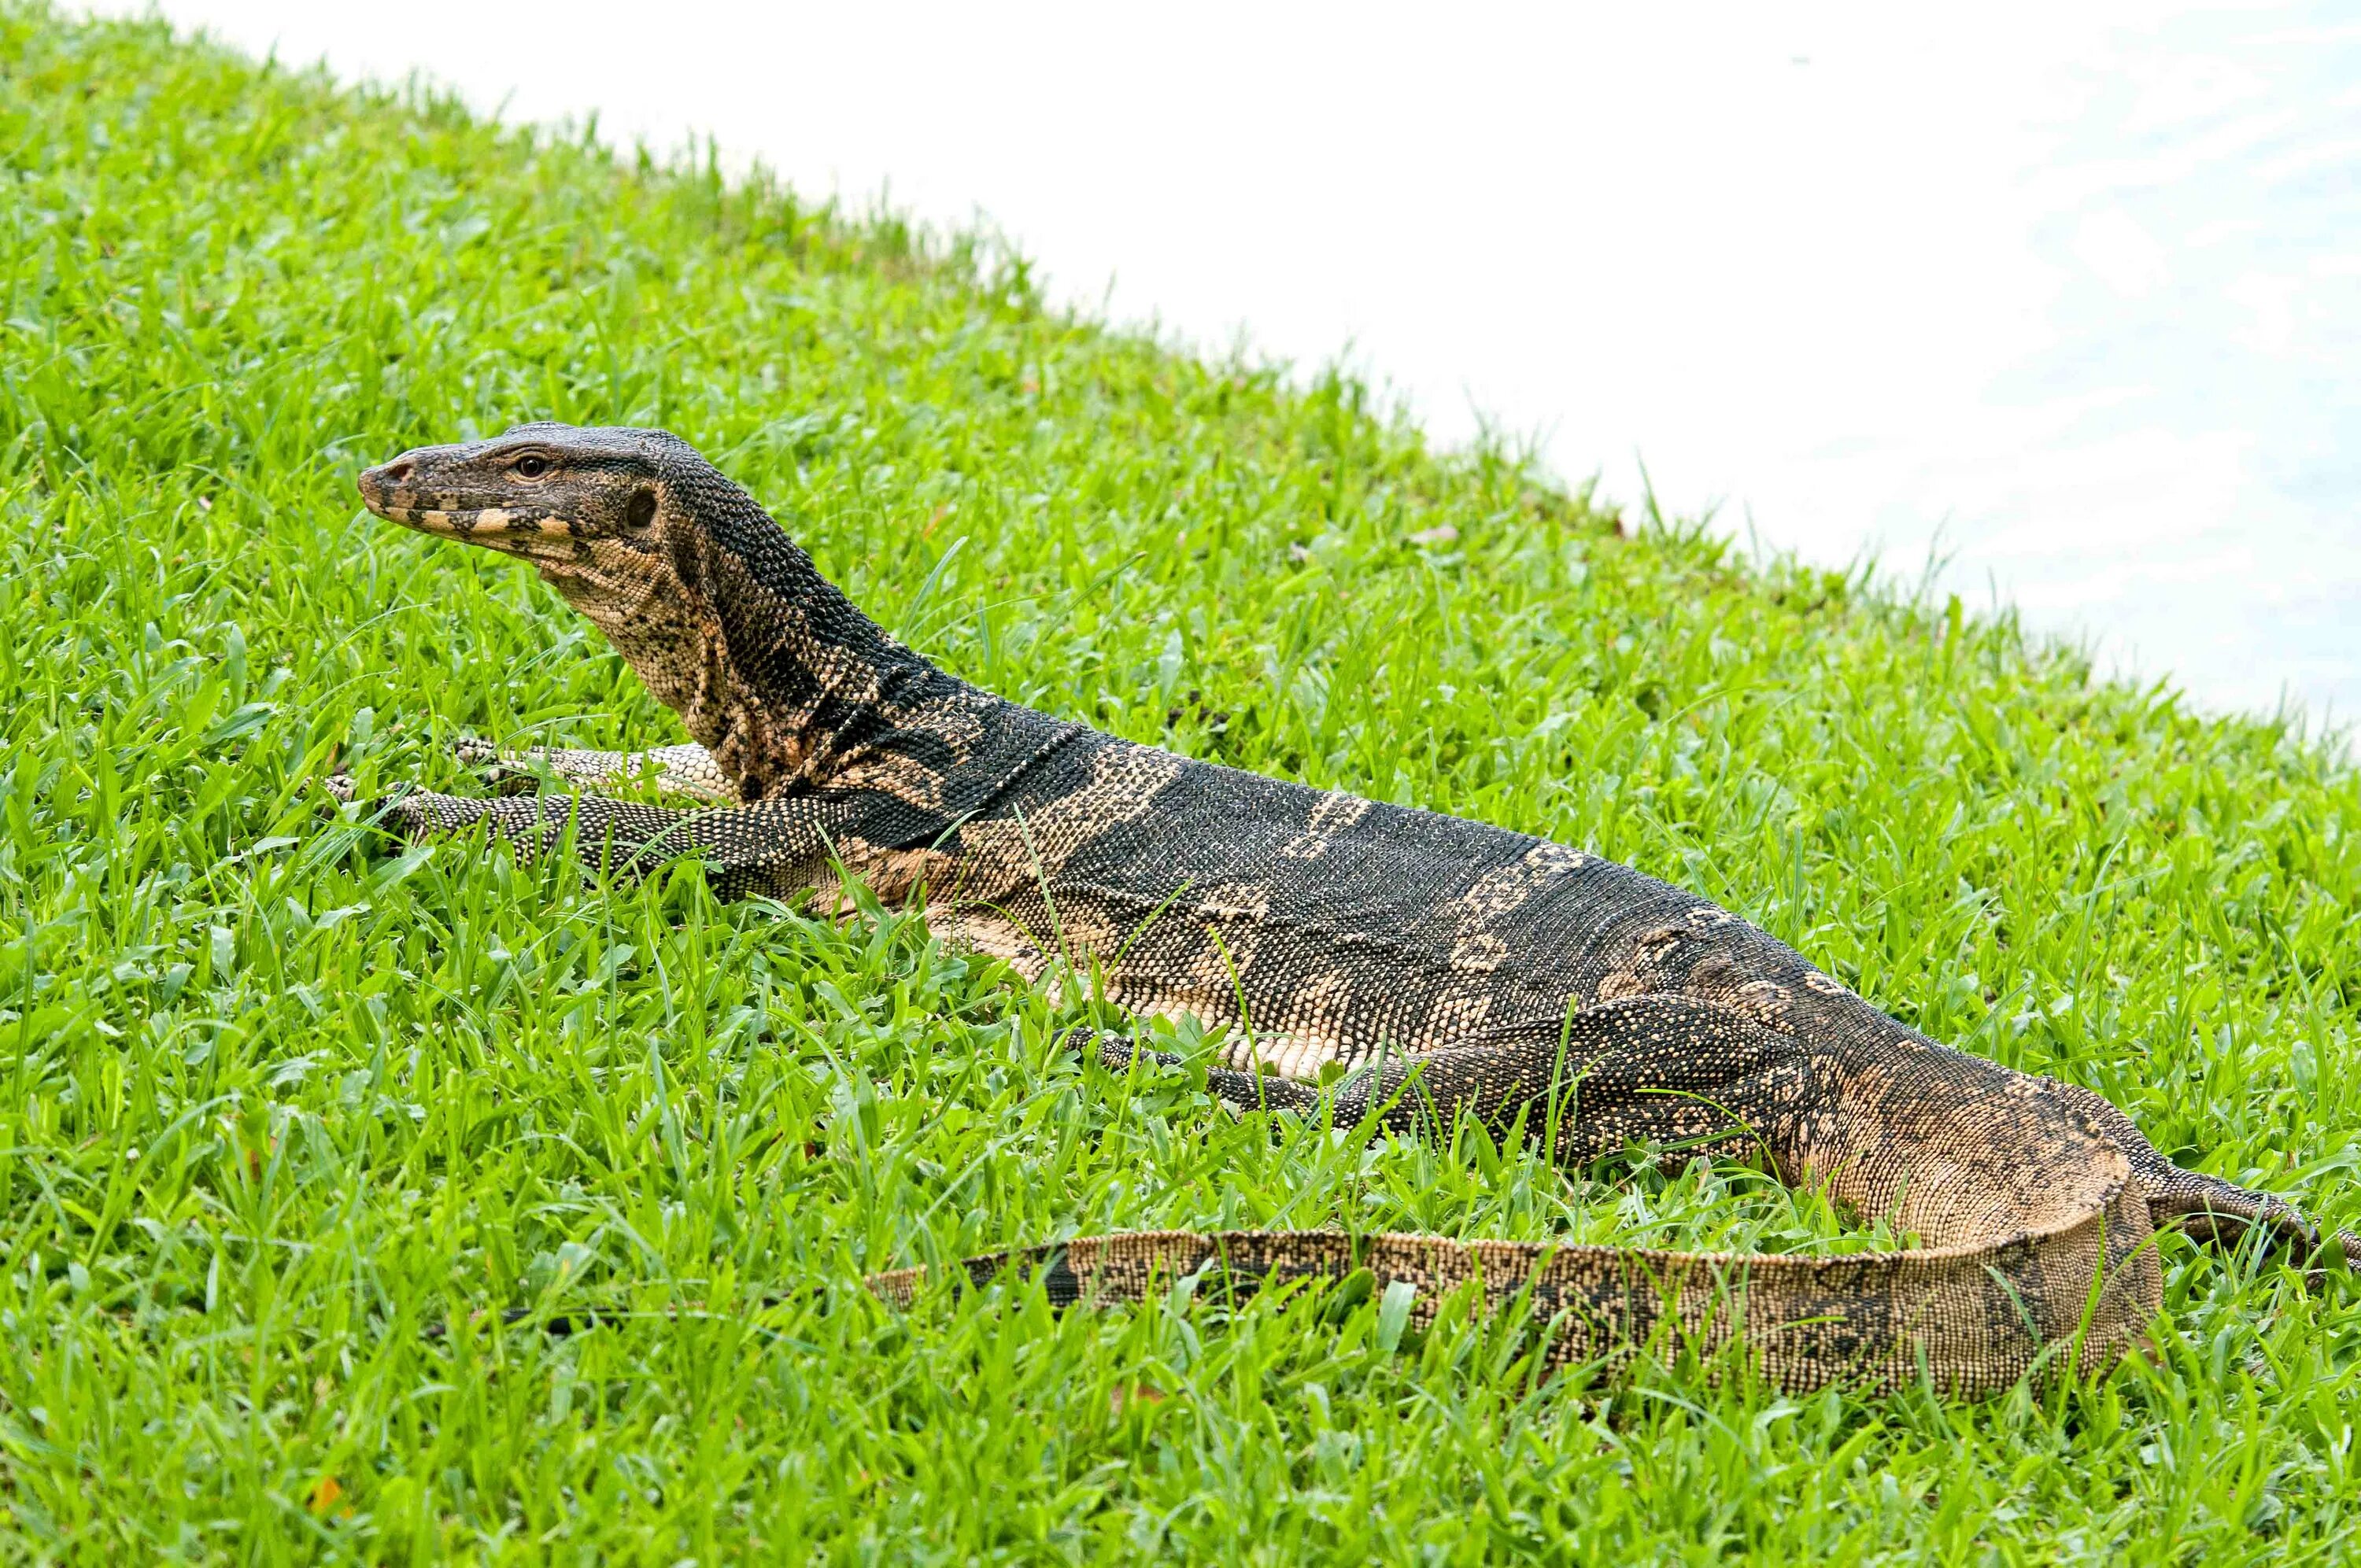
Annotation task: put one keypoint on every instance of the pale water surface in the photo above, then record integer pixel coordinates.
(2067, 299)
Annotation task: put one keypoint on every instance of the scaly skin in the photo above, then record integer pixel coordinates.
(1459, 969)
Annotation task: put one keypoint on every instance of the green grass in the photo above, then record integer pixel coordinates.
(274, 1101)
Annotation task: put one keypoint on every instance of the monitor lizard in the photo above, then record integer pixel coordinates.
(1449, 968)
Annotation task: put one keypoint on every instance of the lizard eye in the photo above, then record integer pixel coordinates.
(531, 465)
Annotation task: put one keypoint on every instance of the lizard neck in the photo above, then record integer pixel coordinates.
(770, 666)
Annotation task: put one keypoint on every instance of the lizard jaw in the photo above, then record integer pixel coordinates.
(477, 523)
(499, 528)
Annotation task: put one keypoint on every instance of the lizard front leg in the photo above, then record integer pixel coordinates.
(772, 846)
(686, 770)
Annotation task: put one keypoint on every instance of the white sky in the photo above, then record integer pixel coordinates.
(2077, 287)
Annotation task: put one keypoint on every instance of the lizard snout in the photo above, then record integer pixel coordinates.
(382, 487)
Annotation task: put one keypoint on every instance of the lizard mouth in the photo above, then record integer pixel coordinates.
(482, 524)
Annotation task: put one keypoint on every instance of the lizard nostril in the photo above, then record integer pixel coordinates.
(397, 473)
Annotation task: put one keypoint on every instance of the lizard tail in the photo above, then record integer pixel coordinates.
(2037, 1256)
(2042, 1258)
(2207, 1207)
(1969, 1320)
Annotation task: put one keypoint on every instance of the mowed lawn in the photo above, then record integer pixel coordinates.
(291, 1117)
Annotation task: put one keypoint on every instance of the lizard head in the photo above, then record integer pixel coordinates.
(570, 500)
(721, 613)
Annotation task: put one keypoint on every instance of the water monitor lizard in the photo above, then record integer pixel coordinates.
(1456, 968)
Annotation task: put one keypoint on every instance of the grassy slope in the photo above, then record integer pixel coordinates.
(271, 1104)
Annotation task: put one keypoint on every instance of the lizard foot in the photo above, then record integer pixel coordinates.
(1115, 1052)
(506, 773)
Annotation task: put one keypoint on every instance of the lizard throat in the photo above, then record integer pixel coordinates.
(780, 680)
